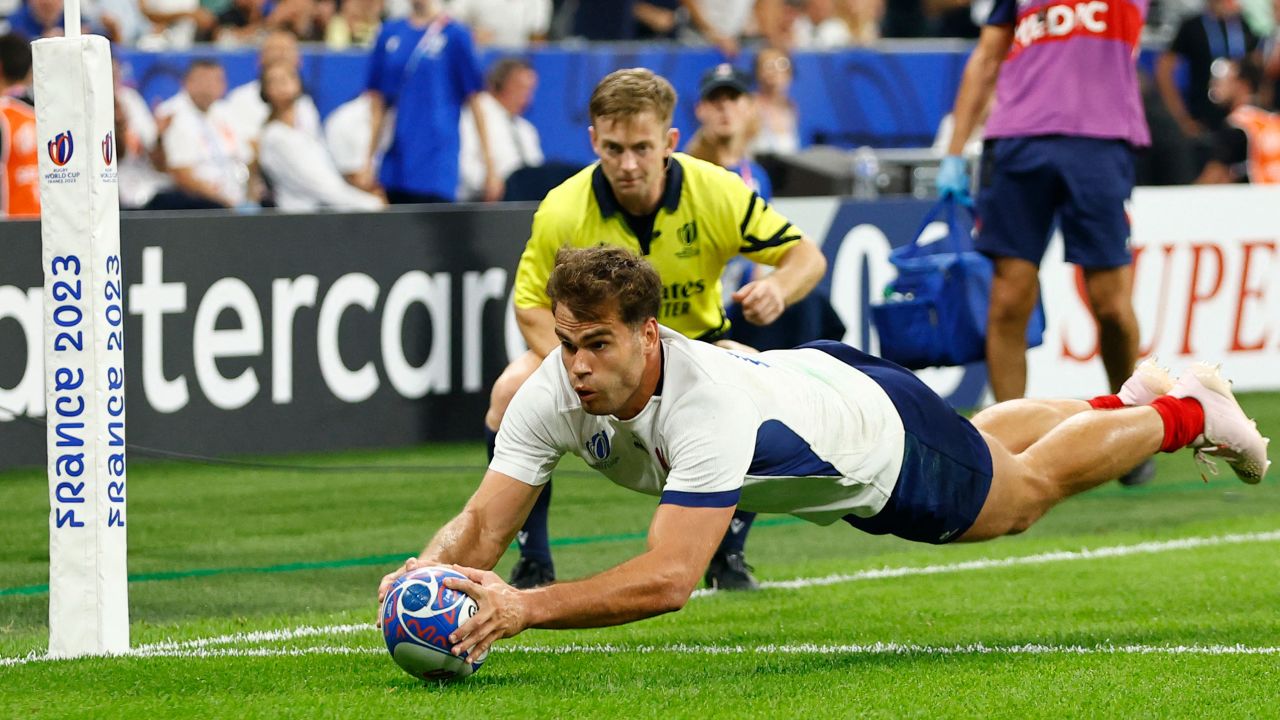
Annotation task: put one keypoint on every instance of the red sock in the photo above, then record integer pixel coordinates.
(1183, 421)
(1106, 402)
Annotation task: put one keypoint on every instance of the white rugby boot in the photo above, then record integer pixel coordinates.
(1228, 433)
(1148, 382)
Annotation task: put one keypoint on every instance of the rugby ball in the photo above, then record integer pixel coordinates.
(418, 615)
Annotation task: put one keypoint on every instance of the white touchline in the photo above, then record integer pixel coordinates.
(879, 648)
(194, 648)
(1143, 548)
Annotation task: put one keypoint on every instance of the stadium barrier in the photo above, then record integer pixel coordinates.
(273, 333)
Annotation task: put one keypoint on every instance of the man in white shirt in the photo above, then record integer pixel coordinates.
(513, 140)
(505, 24)
(248, 111)
(203, 154)
(823, 432)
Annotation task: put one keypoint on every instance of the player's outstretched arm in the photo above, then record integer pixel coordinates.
(681, 542)
(479, 535)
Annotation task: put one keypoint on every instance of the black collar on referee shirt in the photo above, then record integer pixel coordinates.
(641, 226)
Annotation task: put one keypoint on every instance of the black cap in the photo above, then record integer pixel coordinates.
(723, 75)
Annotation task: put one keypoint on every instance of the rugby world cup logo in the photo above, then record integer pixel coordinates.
(61, 148)
(108, 148)
(598, 445)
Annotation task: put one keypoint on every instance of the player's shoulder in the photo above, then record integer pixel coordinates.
(701, 375)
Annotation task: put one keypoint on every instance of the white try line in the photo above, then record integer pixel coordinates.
(879, 648)
(194, 648)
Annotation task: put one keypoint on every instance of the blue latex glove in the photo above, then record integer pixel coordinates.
(953, 179)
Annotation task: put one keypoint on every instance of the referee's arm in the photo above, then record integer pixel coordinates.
(551, 230)
(765, 236)
(793, 278)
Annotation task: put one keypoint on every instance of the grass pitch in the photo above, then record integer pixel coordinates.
(253, 596)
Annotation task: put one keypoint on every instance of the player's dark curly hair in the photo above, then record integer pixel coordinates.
(596, 281)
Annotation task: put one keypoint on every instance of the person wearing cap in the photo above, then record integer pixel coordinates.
(684, 216)
(726, 115)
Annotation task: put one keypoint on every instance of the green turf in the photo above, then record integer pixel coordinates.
(218, 550)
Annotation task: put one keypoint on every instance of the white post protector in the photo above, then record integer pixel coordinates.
(83, 345)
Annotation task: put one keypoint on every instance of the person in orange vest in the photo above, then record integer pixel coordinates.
(1247, 149)
(19, 161)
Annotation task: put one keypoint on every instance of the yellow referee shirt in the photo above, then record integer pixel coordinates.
(707, 216)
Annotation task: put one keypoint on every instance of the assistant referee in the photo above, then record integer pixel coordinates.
(688, 218)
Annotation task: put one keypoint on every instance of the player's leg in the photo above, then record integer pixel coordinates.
(535, 566)
(1082, 452)
(1017, 424)
(1019, 196)
(1092, 447)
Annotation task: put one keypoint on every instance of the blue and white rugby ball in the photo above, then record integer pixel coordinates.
(418, 615)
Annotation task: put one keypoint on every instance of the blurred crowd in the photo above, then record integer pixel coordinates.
(412, 137)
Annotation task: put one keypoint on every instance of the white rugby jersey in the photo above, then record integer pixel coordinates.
(785, 431)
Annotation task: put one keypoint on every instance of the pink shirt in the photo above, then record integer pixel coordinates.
(1071, 70)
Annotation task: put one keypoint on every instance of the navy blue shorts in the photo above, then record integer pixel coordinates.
(1083, 183)
(946, 466)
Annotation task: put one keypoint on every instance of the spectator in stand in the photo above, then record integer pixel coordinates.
(205, 158)
(37, 19)
(1247, 147)
(827, 24)
(137, 140)
(505, 24)
(138, 179)
(513, 140)
(241, 24)
(777, 119)
(1171, 159)
(19, 146)
(1219, 32)
(425, 68)
(725, 113)
(304, 18)
(174, 23)
(295, 161)
(724, 23)
(356, 23)
(347, 133)
(120, 21)
(247, 109)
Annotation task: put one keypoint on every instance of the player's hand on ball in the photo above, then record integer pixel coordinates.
(500, 613)
(390, 578)
(762, 301)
